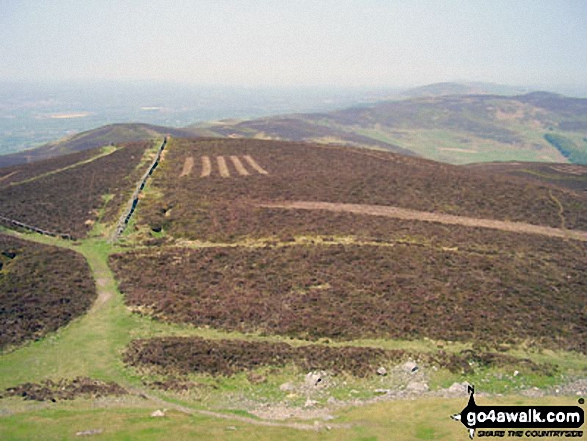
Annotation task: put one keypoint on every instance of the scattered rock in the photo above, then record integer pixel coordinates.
(516, 373)
(310, 403)
(417, 387)
(314, 379)
(231, 428)
(410, 366)
(533, 392)
(458, 389)
(382, 391)
(89, 432)
(158, 413)
(382, 371)
(331, 401)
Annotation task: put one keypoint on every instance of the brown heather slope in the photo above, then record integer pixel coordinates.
(42, 288)
(23, 172)
(68, 202)
(112, 134)
(385, 277)
(347, 292)
(226, 208)
(571, 176)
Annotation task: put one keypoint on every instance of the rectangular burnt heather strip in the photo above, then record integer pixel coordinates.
(222, 167)
(254, 164)
(187, 166)
(206, 167)
(240, 168)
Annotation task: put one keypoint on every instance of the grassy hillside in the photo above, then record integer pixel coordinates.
(451, 128)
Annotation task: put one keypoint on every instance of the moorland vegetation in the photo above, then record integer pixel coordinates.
(70, 201)
(223, 209)
(42, 288)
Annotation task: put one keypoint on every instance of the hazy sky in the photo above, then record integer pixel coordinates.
(296, 42)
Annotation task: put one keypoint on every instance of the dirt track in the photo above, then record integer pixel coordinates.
(402, 213)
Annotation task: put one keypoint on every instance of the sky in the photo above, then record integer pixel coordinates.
(340, 43)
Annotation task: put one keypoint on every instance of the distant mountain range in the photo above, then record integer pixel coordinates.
(448, 122)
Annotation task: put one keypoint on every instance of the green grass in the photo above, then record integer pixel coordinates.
(462, 147)
(426, 419)
(133, 424)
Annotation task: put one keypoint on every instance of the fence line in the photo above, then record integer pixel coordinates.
(134, 199)
(15, 223)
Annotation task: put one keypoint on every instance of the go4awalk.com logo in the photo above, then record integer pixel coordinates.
(545, 422)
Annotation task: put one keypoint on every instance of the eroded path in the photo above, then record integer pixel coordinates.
(424, 216)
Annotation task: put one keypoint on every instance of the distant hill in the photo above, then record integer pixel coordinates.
(458, 129)
(448, 88)
(102, 136)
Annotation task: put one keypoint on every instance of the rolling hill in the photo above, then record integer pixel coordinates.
(535, 127)
(100, 137)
